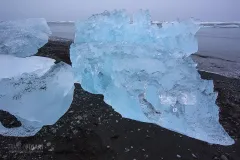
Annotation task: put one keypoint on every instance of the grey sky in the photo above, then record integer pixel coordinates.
(55, 10)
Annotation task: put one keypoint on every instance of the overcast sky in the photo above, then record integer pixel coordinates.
(162, 10)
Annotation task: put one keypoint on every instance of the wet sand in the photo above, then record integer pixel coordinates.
(91, 129)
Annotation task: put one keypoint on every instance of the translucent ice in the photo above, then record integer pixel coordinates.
(22, 38)
(14, 66)
(38, 93)
(146, 74)
(33, 89)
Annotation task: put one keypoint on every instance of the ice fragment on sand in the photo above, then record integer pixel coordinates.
(38, 96)
(33, 89)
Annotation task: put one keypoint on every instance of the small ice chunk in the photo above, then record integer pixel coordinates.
(23, 38)
(37, 95)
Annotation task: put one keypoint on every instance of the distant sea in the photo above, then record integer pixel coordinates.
(218, 42)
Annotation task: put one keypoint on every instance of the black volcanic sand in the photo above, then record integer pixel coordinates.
(91, 129)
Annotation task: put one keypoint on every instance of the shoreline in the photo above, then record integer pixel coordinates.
(91, 129)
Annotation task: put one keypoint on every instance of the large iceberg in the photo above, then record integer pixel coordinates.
(15, 36)
(145, 73)
(38, 95)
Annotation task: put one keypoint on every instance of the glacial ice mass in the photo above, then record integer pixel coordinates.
(15, 36)
(145, 73)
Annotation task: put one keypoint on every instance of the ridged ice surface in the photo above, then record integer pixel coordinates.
(38, 96)
(15, 36)
(145, 72)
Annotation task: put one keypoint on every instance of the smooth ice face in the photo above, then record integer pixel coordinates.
(38, 94)
(146, 74)
(14, 66)
(22, 38)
